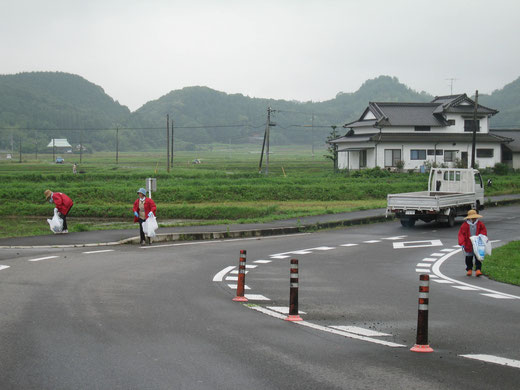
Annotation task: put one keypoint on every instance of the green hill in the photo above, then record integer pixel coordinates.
(55, 100)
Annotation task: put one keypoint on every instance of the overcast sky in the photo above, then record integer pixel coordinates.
(284, 49)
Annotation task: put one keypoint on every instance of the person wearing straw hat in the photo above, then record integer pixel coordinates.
(63, 203)
(471, 227)
(143, 208)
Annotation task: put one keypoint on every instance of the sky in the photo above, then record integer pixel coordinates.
(305, 50)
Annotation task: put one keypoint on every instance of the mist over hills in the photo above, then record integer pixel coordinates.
(63, 103)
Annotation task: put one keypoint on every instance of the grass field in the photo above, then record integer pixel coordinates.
(226, 187)
(504, 264)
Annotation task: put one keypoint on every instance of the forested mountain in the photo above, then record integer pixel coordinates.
(507, 101)
(53, 100)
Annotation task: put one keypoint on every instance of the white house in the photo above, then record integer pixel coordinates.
(510, 151)
(389, 134)
(59, 143)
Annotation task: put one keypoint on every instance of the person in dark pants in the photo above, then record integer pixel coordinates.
(472, 227)
(143, 208)
(63, 203)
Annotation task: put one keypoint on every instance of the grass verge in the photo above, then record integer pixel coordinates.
(504, 264)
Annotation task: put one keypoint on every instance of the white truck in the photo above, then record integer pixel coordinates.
(451, 192)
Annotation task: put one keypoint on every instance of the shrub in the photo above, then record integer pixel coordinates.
(501, 169)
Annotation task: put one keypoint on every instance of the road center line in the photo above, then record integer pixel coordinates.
(101, 251)
(44, 258)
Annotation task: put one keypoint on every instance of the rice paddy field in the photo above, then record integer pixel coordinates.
(218, 184)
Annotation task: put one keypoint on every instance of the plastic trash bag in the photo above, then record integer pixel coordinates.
(150, 226)
(479, 246)
(56, 223)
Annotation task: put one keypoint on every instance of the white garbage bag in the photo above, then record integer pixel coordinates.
(150, 226)
(479, 246)
(56, 223)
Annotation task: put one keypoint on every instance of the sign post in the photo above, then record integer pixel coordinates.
(151, 185)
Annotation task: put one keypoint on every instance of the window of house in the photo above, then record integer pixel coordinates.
(417, 154)
(469, 125)
(362, 158)
(450, 155)
(433, 152)
(485, 153)
(422, 128)
(392, 156)
(451, 122)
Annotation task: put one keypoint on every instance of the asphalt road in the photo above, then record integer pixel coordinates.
(161, 317)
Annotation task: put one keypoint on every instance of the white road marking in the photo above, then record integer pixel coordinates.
(256, 297)
(283, 309)
(234, 286)
(44, 258)
(322, 248)
(232, 278)
(433, 276)
(429, 259)
(360, 331)
(262, 261)
(416, 244)
(348, 244)
(371, 241)
(101, 251)
(436, 270)
(465, 288)
(437, 254)
(251, 266)
(394, 238)
(304, 252)
(427, 265)
(423, 270)
(4, 267)
(495, 359)
(442, 281)
(498, 296)
(218, 276)
(279, 256)
(326, 329)
(447, 250)
(219, 241)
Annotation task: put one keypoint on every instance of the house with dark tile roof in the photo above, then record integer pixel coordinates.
(389, 134)
(510, 150)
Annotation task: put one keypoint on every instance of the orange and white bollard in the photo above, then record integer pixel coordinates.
(241, 277)
(293, 296)
(421, 344)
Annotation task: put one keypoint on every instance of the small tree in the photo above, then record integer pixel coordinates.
(332, 149)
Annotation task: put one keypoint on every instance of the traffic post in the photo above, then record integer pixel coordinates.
(241, 277)
(421, 344)
(294, 314)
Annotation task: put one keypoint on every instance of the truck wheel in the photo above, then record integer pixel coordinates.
(408, 223)
(451, 219)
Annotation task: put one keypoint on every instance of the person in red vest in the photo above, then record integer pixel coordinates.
(63, 203)
(143, 208)
(471, 227)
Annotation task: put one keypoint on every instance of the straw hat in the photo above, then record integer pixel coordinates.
(47, 194)
(473, 214)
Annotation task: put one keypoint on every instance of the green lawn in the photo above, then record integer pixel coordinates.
(504, 264)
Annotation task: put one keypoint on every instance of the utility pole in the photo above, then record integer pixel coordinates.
(475, 125)
(54, 150)
(266, 142)
(172, 146)
(312, 136)
(36, 146)
(168, 143)
(80, 146)
(20, 148)
(117, 145)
